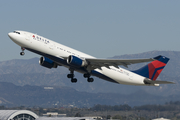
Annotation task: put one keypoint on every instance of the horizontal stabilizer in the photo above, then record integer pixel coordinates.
(147, 81)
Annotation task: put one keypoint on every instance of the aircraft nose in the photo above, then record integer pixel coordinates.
(10, 35)
(13, 36)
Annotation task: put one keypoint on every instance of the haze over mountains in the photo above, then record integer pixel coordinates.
(31, 74)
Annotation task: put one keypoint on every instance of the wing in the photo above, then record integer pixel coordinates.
(98, 63)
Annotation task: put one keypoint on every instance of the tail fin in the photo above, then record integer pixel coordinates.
(153, 69)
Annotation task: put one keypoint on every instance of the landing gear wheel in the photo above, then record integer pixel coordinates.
(22, 53)
(73, 80)
(90, 79)
(86, 75)
(70, 75)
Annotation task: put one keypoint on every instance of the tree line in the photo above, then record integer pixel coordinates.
(166, 107)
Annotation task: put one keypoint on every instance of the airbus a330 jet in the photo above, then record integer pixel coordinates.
(55, 54)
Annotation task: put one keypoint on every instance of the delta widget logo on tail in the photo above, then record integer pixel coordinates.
(156, 67)
(153, 69)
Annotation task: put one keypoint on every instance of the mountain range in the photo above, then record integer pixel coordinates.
(23, 78)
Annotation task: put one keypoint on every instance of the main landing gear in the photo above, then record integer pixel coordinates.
(22, 53)
(71, 75)
(74, 80)
(87, 75)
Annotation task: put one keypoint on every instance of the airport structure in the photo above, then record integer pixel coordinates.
(160, 119)
(17, 115)
(28, 115)
(65, 118)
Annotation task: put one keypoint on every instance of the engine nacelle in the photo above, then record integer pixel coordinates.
(75, 61)
(46, 62)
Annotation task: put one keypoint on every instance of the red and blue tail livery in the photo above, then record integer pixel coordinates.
(153, 69)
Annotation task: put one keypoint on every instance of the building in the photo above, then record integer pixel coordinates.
(54, 114)
(65, 118)
(160, 119)
(17, 115)
(28, 115)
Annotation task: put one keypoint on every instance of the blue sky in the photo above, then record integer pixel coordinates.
(101, 28)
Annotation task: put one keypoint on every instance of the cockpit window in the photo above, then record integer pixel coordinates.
(16, 32)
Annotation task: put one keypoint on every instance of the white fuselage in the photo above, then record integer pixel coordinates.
(44, 46)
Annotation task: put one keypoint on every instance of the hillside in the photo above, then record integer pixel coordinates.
(12, 95)
(29, 72)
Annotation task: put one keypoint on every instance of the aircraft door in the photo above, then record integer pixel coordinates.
(27, 36)
(131, 76)
(52, 46)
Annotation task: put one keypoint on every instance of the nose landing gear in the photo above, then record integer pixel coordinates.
(22, 53)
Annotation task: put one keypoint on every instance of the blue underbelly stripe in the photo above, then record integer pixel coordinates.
(64, 62)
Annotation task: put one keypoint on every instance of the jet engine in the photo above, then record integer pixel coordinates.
(46, 62)
(75, 61)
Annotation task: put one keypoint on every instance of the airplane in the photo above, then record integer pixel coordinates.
(55, 54)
